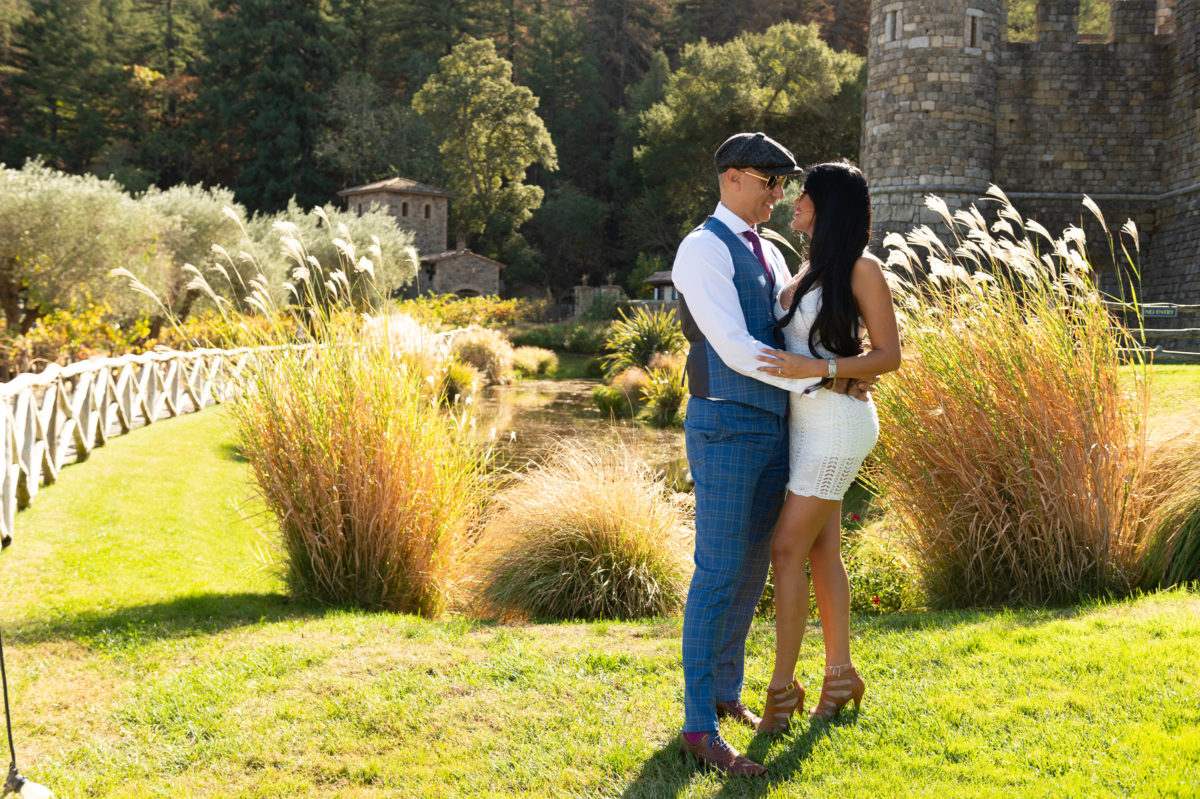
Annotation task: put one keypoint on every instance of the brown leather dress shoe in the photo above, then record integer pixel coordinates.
(714, 753)
(739, 713)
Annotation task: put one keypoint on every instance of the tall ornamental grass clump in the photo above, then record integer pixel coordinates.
(487, 350)
(373, 485)
(372, 481)
(1012, 451)
(590, 534)
(1173, 549)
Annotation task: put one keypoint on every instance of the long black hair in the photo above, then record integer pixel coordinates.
(841, 231)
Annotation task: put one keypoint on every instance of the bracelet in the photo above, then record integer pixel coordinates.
(832, 368)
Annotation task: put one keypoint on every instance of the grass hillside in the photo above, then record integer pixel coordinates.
(151, 653)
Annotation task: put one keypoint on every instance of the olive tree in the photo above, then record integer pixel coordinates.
(61, 234)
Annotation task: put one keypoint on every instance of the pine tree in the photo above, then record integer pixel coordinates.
(269, 66)
(72, 93)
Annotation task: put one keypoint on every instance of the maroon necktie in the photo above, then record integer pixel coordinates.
(756, 245)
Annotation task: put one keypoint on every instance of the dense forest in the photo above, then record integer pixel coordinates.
(577, 134)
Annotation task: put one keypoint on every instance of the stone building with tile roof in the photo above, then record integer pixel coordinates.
(423, 210)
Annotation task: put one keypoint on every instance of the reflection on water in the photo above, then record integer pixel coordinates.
(543, 412)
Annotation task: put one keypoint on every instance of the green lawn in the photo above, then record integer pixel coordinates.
(1175, 389)
(151, 654)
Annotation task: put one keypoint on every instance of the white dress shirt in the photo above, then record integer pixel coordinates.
(703, 274)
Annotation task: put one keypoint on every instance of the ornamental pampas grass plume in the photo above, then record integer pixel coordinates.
(1011, 441)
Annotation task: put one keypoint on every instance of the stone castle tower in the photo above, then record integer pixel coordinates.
(952, 106)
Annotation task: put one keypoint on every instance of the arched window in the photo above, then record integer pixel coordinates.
(403, 209)
(428, 210)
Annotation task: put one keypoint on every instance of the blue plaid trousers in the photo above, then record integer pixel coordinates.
(738, 456)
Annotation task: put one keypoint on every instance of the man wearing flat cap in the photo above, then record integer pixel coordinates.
(736, 434)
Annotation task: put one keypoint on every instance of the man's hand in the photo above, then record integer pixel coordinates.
(861, 389)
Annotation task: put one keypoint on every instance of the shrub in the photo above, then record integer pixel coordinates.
(633, 384)
(60, 235)
(1010, 443)
(532, 361)
(612, 403)
(489, 351)
(594, 368)
(69, 335)
(585, 339)
(207, 221)
(665, 394)
(549, 337)
(882, 578)
(1172, 478)
(635, 340)
(590, 534)
(459, 381)
(452, 311)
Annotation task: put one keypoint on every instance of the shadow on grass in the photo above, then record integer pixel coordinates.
(181, 617)
(668, 773)
(949, 619)
(233, 452)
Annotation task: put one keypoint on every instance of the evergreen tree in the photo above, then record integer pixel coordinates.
(167, 35)
(269, 65)
(371, 135)
(624, 35)
(565, 77)
(492, 136)
(72, 94)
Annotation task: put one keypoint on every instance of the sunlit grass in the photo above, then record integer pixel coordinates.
(149, 655)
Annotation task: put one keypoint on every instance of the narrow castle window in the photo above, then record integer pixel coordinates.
(893, 23)
(403, 209)
(973, 36)
(426, 210)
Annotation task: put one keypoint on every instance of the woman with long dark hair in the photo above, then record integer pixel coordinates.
(823, 312)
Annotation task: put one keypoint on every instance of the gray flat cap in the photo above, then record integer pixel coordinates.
(756, 151)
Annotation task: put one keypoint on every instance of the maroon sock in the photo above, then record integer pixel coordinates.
(694, 737)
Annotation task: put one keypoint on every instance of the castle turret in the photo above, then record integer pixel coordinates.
(930, 123)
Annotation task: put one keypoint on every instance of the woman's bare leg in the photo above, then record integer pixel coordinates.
(831, 587)
(800, 522)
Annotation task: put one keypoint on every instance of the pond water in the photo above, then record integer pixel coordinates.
(529, 417)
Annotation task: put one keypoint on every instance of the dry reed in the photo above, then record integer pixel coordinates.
(373, 487)
(1010, 443)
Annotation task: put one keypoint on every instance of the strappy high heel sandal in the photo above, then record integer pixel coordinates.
(841, 684)
(779, 707)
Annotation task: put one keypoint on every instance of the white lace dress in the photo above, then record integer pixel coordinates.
(831, 433)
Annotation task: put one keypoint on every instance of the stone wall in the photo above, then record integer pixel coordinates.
(425, 216)
(466, 274)
(1048, 121)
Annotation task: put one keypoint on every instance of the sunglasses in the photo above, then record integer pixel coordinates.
(771, 181)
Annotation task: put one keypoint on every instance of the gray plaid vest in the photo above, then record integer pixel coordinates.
(708, 376)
